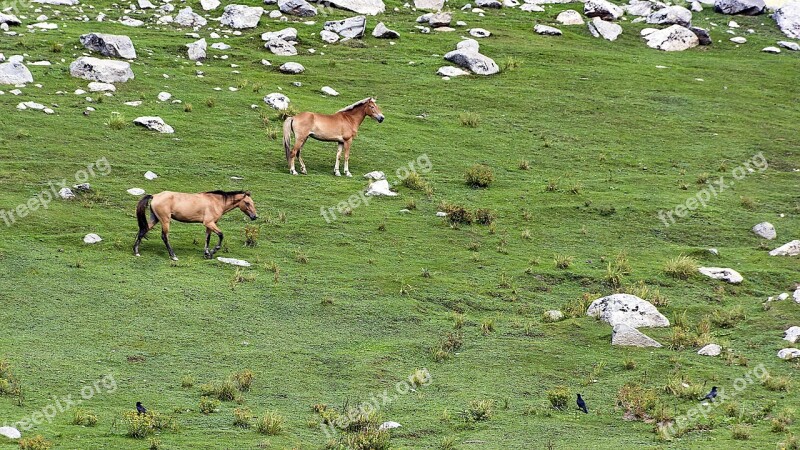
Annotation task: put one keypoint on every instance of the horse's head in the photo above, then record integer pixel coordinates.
(373, 110)
(247, 206)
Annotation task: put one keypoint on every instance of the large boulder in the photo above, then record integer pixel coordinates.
(15, 73)
(352, 27)
(788, 19)
(570, 17)
(546, 30)
(672, 39)
(154, 124)
(789, 353)
(57, 2)
(368, 7)
(103, 70)
(300, 8)
(10, 432)
(642, 7)
(671, 15)
(710, 350)
(702, 35)
(792, 334)
(627, 336)
(602, 9)
(493, 4)
(627, 309)
(381, 32)
(277, 100)
(607, 30)
(197, 50)
(287, 34)
(111, 45)
(188, 18)
(440, 19)
(743, 7)
(722, 273)
(241, 16)
(431, 5)
(765, 230)
(788, 249)
(467, 56)
(281, 47)
(9, 19)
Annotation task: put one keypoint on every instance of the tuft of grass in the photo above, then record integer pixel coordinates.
(780, 384)
(241, 417)
(469, 119)
(681, 267)
(637, 401)
(562, 261)
(187, 381)
(210, 102)
(479, 410)
(742, 432)
(487, 326)
(117, 121)
(524, 164)
(747, 202)
(414, 181)
(56, 47)
(411, 204)
(479, 176)
(187, 107)
(559, 396)
(270, 424)
(208, 405)
(485, 216)
(37, 442)
(251, 233)
(300, 256)
(629, 363)
(552, 185)
(225, 391)
(510, 63)
(84, 418)
(243, 379)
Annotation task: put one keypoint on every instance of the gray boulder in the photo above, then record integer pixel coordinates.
(197, 50)
(431, 5)
(710, 350)
(672, 39)
(788, 19)
(9, 19)
(352, 27)
(743, 7)
(280, 47)
(627, 336)
(493, 4)
(299, 8)
(788, 249)
(602, 9)
(287, 34)
(765, 230)
(793, 46)
(607, 30)
(440, 19)
(467, 56)
(722, 273)
(241, 16)
(789, 353)
(671, 15)
(546, 30)
(15, 73)
(103, 70)
(381, 32)
(570, 17)
(154, 124)
(642, 7)
(628, 310)
(277, 100)
(291, 68)
(792, 334)
(703, 37)
(368, 7)
(111, 45)
(188, 18)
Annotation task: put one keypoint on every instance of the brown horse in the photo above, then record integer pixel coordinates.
(341, 127)
(205, 208)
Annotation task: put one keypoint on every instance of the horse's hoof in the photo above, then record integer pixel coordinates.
(137, 254)
(207, 255)
(348, 174)
(293, 172)
(174, 258)
(337, 173)
(304, 172)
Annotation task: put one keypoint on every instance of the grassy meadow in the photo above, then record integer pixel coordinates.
(587, 141)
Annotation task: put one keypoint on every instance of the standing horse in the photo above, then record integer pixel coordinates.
(205, 208)
(341, 128)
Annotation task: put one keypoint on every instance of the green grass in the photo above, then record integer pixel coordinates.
(334, 313)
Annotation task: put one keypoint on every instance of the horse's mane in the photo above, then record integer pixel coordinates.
(356, 104)
(226, 194)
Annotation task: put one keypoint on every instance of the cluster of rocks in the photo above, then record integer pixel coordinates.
(626, 313)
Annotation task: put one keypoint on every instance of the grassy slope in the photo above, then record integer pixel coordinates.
(73, 312)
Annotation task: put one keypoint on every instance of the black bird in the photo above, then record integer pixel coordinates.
(711, 395)
(140, 409)
(582, 404)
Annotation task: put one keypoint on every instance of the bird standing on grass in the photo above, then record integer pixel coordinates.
(140, 409)
(582, 404)
(711, 395)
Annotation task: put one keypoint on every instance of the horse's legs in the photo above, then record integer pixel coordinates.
(302, 164)
(347, 157)
(165, 238)
(143, 233)
(338, 154)
(212, 227)
(206, 253)
(298, 145)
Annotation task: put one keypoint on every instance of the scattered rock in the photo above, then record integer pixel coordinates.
(287, 34)
(774, 50)
(150, 175)
(381, 32)
(440, 19)
(135, 191)
(327, 90)
(380, 188)
(793, 46)
(209, 5)
(197, 50)
(241, 16)
(375, 175)
(792, 334)
(675, 38)
(493, 4)
(154, 124)
(531, 7)
(553, 315)
(66, 193)
(352, 27)
(765, 230)
(92, 238)
(96, 86)
(15, 73)
(432, 5)
(789, 353)
(671, 15)
(10, 432)
(602, 9)
(328, 36)
(299, 8)
(743, 7)
(724, 274)
(788, 249)
(277, 101)
(479, 33)
(467, 56)
(281, 47)
(291, 68)
(788, 19)
(606, 30)
(368, 7)
(627, 309)
(702, 35)
(389, 426)
(188, 18)
(710, 350)
(546, 30)
(220, 46)
(450, 71)
(796, 295)
(164, 96)
(625, 335)
(642, 8)
(570, 17)
(103, 70)
(9, 19)
(233, 262)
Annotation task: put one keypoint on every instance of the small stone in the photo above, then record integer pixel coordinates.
(327, 90)
(135, 191)
(66, 193)
(92, 238)
(710, 350)
(150, 175)
(234, 262)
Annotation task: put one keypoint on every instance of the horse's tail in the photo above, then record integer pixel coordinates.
(287, 136)
(141, 213)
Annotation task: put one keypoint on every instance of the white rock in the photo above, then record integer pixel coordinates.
(136, 191)
(553, 315)
(327, 90)
(467, 56)
(111, 45)
(479, 33)
(234, 262)
(277, 101)
(792, 334)
(546, 30)
(10, 432)
(441, 214)
(103, 70)
(129, 22)
(291, 68)
(134, 103)
(793, 46)
(738, 40)
(380, 188)
(603, 9)
(220, 46)
(66, 193)
(389, 426)
(13, 72)
(92, 238)
(765, 230)
(607, 30)
(375, 175)
(625, 335)
(368, 7)
(675, 38)
(382, 32)
(287, 34)
(627, 309)
(154, 124)
(710, 350)
(796, 295)
(196, 51)
(570, 17)
(530, 7)
(209, 5)
(774, 50)
(329, 36)
(300, 8)
(431, 5)
(788, 19)
(241, 16)
(189, 18)
(150, 175)
(671, 15)
(788, 249)
(450, 71)
(281, 47)
(789, 353)
(164, 96)
(724, 274)
(743, 7)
